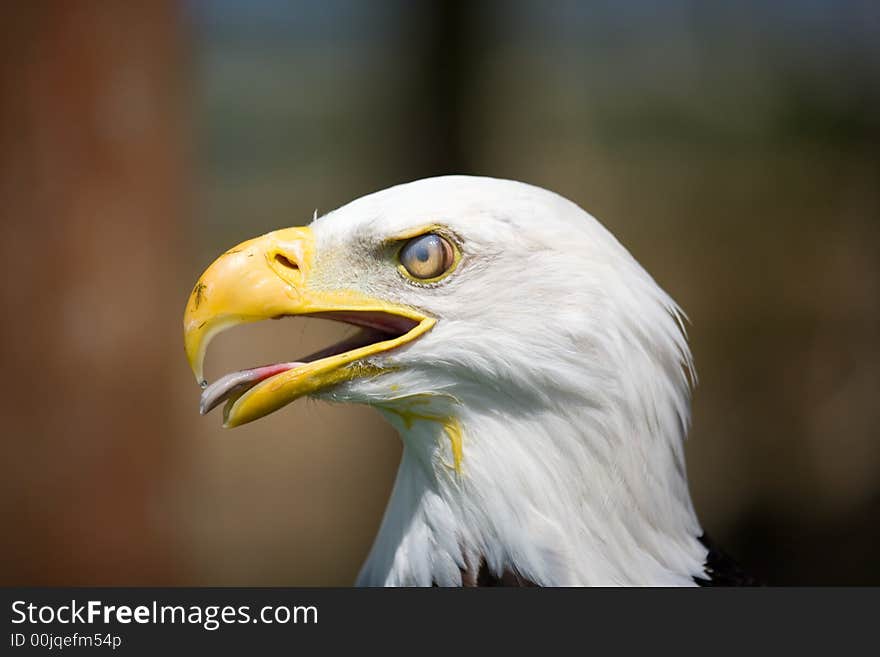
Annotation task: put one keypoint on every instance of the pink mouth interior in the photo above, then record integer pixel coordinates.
(376, 327)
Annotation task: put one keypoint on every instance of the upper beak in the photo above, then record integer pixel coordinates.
(268, 277)
(256, 280)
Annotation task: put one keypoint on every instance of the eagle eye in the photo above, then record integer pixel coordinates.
(427, 257)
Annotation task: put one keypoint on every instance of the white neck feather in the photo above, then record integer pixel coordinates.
(552, 497)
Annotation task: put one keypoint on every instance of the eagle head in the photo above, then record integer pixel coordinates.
(538, 376)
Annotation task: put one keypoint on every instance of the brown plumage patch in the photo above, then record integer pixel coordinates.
(482, 576)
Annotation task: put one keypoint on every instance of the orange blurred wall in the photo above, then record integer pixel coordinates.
(92, 181)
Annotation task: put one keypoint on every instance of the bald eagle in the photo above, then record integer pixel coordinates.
(539, 379)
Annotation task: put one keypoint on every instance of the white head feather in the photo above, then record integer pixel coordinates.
(564, 366)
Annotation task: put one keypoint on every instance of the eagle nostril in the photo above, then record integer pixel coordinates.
(284, 261)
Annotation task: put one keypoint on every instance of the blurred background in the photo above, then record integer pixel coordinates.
(734, 148)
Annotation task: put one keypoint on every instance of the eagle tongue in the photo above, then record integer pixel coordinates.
(236, 384)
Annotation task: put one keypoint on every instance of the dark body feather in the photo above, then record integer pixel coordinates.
(721, 569)
(484, 577)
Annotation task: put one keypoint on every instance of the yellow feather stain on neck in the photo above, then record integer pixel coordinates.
(451, 427)
(453, 431)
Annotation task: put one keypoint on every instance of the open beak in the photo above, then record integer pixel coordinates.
(267, 278)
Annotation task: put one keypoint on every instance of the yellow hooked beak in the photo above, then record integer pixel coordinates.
(268, 277)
